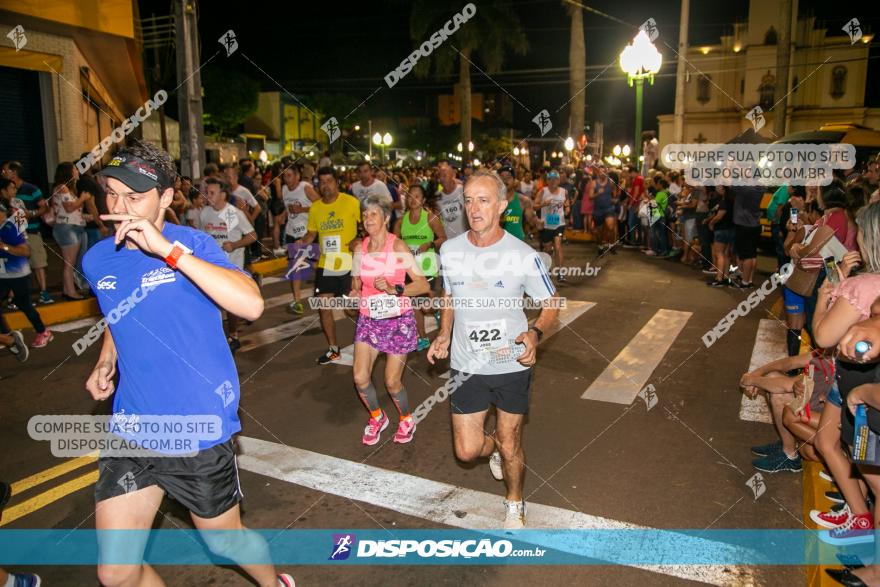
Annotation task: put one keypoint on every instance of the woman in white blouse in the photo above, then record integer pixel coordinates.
(70, 226)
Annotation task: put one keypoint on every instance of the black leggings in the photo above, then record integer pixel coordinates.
(21, 297)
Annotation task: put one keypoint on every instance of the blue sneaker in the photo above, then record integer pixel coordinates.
(777, 463)
(26, 580)
(765, 450)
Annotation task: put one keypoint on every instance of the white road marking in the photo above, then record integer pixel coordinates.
(627, 374)
(572, 311)
(75, 325)
(283, 331)
(769, 346)
(442, 503)
(286, 298)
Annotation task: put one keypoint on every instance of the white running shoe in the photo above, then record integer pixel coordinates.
(495, 466)
(514, 515)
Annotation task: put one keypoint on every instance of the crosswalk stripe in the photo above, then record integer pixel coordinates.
(571, 312)
(286, 298)
(769, 346)
(627, 374)
(75, 325)
(450, 505)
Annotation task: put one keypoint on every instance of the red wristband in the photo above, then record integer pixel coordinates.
(177, 251)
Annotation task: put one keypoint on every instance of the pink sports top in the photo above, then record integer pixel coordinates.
(387, 264)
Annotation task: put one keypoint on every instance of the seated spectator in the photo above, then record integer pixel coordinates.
(841, 304)
(781, 390)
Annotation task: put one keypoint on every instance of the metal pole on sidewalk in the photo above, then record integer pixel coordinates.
(189, 94)
(678, 122)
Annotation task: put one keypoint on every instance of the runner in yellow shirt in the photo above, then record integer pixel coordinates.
(333, 222)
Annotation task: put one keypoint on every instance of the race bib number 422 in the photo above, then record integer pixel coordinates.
(487, 336)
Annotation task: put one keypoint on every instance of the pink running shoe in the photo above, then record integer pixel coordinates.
(405, 431)
(374, 429)
(43, 339)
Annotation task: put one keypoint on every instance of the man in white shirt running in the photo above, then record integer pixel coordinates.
(233, 231)
(491, 346)
(242, 194)
(367, 184)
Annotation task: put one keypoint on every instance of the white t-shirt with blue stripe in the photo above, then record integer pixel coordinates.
(487, 285)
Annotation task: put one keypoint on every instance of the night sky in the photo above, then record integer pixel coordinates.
(348, 47)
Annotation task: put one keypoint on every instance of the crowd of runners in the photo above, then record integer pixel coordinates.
(400, 248)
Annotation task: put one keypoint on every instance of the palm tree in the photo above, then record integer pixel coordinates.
(490, 33)
(577, 71)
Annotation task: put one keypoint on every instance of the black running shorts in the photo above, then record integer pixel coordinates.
(337, 285)
(508, 392)
(206, 484)
(548, 234)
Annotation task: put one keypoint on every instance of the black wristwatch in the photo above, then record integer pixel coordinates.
(538, 331)
(398, 289)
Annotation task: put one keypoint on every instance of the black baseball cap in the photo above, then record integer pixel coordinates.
(508, 169)
(138, 174)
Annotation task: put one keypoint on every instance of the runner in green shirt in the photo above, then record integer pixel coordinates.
(421, 229)
(519, 210)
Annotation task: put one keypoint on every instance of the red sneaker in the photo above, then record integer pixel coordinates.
(830, 519)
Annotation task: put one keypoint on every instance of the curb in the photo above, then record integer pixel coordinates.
(60, 312)
(578, 236)
(814, 498)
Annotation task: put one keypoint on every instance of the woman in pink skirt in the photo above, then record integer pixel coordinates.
(386, 323)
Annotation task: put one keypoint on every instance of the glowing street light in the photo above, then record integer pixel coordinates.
(516, 151)
(640, 61)
(470, 146)
(377, 139)
(626, 150)
(616, 150)
(386, 139)
(357, 127)
(569, 144)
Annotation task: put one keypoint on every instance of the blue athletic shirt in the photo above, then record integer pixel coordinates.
(12, 266)
(173, 356)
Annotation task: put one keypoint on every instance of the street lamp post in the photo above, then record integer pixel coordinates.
(383, 141)
(386, 142)
(640, 61)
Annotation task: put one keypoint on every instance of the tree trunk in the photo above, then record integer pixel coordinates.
(577, 73)
(464, 83)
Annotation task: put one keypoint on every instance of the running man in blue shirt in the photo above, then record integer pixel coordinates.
(161, 288)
